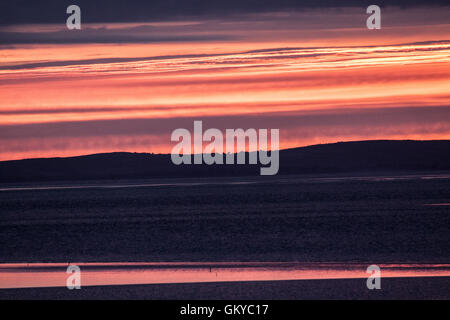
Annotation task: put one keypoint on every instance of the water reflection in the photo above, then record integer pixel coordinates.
(25, 275)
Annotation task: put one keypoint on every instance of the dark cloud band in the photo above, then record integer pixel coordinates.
(52, 11)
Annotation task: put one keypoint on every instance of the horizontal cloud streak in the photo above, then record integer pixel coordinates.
(153, 135)
(289, 120)
(275, 53)
(303, 25)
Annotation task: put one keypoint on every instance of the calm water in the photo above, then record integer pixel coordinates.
(223, 181)
(101, 274)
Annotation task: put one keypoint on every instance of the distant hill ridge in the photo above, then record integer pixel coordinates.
(341, 157)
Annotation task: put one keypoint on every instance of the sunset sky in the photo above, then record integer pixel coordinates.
(318, 74)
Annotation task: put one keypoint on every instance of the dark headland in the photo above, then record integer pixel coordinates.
(403, 156)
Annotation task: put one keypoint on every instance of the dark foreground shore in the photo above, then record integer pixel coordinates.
(391, 288)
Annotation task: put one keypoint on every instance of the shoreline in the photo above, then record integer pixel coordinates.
(435, 288)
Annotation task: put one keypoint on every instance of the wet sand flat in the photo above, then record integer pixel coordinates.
(391, 288)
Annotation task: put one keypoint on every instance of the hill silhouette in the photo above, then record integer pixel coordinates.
(343, 157)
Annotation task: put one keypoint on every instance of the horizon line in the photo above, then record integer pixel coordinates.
(224, 153)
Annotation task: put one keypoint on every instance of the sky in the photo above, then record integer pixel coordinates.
(132, 75)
